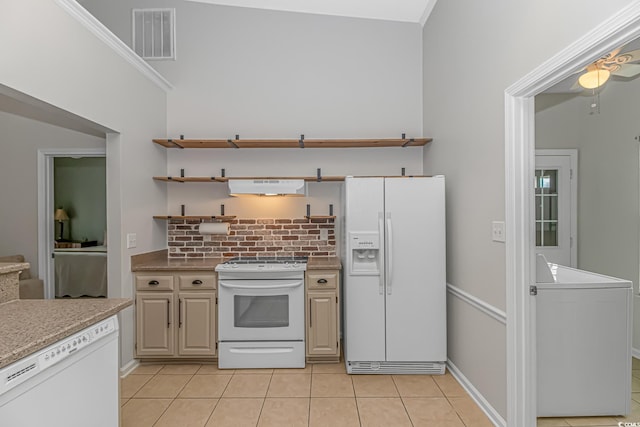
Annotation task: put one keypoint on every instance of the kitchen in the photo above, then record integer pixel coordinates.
(475, 263)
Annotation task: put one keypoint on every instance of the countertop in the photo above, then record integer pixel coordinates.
(155, 261)
(27, 326)
(11, 267)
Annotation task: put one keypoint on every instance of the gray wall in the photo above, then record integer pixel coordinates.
(19, 144)
(72, 70)
(80, 187)
(267, 74)
(472, 52)
(608, 176)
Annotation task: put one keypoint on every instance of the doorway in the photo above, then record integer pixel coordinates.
(82, 257)
(520, 213)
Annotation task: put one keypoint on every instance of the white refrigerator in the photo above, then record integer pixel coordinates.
(394, 275)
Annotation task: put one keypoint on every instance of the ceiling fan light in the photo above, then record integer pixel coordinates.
(594, 78)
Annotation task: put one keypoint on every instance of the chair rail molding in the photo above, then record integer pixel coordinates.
(613, 32)
(80, 14)
(476, 302)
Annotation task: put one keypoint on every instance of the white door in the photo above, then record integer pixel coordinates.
(364, 291)
(556, 206)
(416, 282)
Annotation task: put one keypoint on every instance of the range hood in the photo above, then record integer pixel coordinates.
(267, 187)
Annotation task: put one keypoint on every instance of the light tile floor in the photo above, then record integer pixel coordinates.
(633, 417)
(193, 395)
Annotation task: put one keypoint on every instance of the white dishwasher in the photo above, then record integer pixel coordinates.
(72, 383)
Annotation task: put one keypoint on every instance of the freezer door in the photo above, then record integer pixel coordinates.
(416, 282)
(364, 294)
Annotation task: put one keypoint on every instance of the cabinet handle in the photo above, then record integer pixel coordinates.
(180, 313)
(310, 316)
(197, 282)
(168, 313)
(153, 282)
(322, 281)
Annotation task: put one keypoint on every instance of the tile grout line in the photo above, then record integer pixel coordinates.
(176, 396)
(406, 411)
(446, 396)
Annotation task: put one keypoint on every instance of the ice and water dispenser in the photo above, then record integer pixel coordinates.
(365, 251)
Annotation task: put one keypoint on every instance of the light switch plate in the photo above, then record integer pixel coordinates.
(497, 231)
(132, 241)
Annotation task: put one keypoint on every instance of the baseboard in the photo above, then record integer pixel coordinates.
(129, 367)
(486, 407)
(635, 352)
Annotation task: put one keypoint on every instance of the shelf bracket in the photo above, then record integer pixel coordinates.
(308, 210)
(182, 210)
(331, 210)
(319, 175)
(410, 141)
(181, 173)
(221, 210)
(171, 141)
(301, 141)
(222, 173)
(403, 173)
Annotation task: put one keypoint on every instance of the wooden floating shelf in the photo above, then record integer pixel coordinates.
(226, 178)
(320, 216)
(292, 143)
(221, 218)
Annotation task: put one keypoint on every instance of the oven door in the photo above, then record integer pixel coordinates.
(261, 310)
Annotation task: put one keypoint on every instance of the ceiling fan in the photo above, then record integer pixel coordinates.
(613, 63)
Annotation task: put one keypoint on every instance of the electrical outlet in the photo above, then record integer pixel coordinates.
(131, 240)
(497, 231)
(324, 234)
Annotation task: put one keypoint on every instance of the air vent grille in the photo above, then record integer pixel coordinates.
(432, 368)
(154, 33)
(21, 372)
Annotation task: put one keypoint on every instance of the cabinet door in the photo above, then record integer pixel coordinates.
(196, 324)
(322, 328)
(154, 324)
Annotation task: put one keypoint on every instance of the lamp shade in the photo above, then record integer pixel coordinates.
(61, 215)
(594, 78)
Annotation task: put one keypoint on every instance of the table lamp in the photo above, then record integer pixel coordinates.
(61, 216)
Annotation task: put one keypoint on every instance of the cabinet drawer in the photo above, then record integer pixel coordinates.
(322, 280)
(154, 282)
(197, 281)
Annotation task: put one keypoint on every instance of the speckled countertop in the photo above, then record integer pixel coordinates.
(11, 267)
(324, 263)
(27, 326)
(154, 261)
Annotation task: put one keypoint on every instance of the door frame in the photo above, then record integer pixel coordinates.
(46, 228)
(572, 153)
(615, 31)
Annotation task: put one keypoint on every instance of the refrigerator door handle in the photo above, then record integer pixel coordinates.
(389, 245)
(381, 254)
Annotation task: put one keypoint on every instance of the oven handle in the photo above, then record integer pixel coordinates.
(227, 285)
(261, 350)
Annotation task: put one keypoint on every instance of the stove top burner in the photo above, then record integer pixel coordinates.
(267, 260)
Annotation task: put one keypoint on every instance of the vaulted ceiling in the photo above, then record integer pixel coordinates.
(389, 10)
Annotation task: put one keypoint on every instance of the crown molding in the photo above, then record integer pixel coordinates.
(81, 15)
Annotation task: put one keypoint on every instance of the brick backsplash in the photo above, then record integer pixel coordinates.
(253, 237)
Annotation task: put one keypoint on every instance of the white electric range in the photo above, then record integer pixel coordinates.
(261, 313)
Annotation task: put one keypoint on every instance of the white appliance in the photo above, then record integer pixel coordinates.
(261, 313)
(394, 275)
(72, 383)
(583, 328)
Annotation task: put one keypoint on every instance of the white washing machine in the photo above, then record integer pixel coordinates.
(583, 328)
